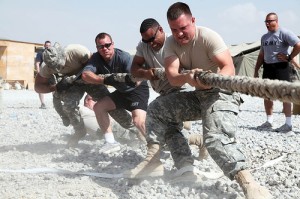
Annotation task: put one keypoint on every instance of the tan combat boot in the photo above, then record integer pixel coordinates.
(151, 166)
(187, 125)
(251, 188)
(197, 140)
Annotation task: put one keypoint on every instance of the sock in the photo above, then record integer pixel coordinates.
(288, 121)
(109, 137)
(270, 119)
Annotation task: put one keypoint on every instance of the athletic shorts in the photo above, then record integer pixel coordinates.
(279, 71)
(135, 99)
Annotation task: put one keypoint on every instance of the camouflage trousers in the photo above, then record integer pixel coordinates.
(66, 104)
(218, 110)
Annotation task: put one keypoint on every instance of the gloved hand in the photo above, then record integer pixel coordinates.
(129, 82)
(110, 80)
(63, 85)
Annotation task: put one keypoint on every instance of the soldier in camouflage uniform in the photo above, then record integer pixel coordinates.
(196, 49)
(148, 58)
(66, 97)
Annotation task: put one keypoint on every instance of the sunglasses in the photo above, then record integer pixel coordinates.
(151, 39)
(269, 21)
(104, 45)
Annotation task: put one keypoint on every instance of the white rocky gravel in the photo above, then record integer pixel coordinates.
(33, 138)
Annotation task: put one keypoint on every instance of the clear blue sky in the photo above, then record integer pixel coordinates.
(69, 21)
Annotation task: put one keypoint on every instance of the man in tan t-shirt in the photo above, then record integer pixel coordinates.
(193, 49)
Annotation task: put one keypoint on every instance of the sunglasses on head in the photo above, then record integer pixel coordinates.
(151, 39)
(104, 45)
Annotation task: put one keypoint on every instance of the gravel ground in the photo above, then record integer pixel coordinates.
(33, 138)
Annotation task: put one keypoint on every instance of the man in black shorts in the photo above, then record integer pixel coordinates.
(275, 59)
(129, 95)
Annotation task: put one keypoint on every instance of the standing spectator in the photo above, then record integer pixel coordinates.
(38, 64)
(134, 98)
(275, 59)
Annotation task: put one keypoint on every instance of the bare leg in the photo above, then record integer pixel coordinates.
(101, 109)
(139, 117)
(41, 96)
(287, 109)
(268, 107)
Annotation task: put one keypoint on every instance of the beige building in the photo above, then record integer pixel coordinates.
(17, 59)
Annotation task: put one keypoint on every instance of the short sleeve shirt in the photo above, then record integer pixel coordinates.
(276, 42)
(39, 58)
(154, 59)
(198, 53)
(120, 63)
(77, 57)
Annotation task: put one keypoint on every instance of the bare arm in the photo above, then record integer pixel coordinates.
(137, 69)
(294, 63)
(259, 62)
(223, 60)
(41, 85)
(225, 63)
(295, 51)
(91, 78)
(174, 76)
(89, 102)
(37, 66)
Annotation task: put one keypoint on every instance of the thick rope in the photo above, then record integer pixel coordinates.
(264, 88)
(268, 89)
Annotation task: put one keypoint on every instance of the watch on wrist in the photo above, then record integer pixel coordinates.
(289, 58)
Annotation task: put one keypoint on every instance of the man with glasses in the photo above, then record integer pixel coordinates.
(62, 63)
(149, 56)
(198, 49)
(275, 59)
(129, 95)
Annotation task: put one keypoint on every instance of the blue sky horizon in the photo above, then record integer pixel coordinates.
(70, 22)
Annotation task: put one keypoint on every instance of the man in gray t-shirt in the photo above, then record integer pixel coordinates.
(275, 59)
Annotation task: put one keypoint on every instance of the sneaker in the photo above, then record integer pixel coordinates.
(43, 106)
(265, 126)
(284, 129)
(110, 147)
